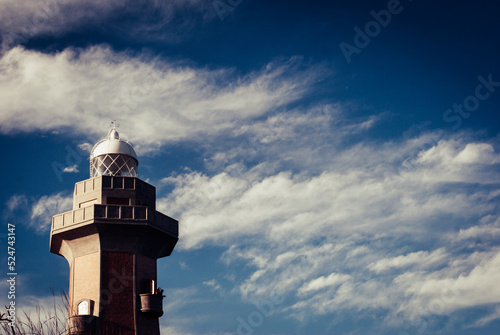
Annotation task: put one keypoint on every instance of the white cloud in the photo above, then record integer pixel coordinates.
(421, 258)
(487, 230)
(224, 206)
(494, 315)
(21, 20)
(213, 284)
(288, 125)
(180, 307)
(24, 19)
(47, 206)
(17, 202)
(71, 169)
(476, 153)
(305, 138)
(154, 100)
(454, 155)
(174, 331)
(346, 239)
(85, 147)
(447, 290)
(333, 279)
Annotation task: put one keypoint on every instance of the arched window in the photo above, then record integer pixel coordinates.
(83, 308)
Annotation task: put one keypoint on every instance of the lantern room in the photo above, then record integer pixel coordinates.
(112, 156)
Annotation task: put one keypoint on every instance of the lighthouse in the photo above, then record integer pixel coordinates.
(112, 239)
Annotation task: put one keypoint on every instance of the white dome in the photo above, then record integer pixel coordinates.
(113, 156)
(111, 145)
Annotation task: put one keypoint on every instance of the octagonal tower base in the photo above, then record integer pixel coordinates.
(112, 239)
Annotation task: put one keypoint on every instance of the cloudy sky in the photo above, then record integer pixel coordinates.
(334, 165)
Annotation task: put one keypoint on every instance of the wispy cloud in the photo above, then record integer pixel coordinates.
(488, 230)
(245, 203)
(421, 258)
(17, 202)
(71, 169)
(365, 233)
(180, 304)
(22, 20)
(469, 281)
(213, 284)
(45, 207)
(492, 316)
(334, 279)
(36, 213)
(162, 102)
(85, 146)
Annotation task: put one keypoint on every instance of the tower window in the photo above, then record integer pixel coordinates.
(84, 308)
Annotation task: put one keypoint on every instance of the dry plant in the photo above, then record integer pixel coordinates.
(45, 321)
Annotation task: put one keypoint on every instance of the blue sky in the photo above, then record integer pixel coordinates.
(334, 165)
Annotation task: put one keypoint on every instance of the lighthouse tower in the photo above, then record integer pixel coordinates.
(111, 240)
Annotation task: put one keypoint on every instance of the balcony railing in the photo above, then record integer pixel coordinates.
(113, 182)
(124, 214)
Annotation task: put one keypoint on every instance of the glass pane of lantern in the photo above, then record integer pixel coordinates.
(114, 165)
